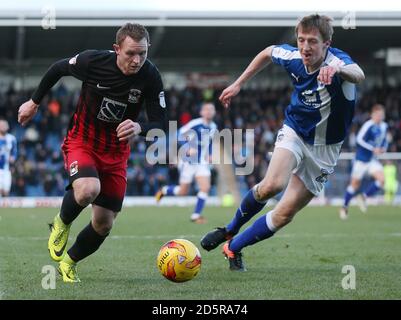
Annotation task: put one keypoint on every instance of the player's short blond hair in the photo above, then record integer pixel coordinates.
(135, 31)
(319, 22)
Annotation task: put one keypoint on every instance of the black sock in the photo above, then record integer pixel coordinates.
(88, 241)
(70, 209)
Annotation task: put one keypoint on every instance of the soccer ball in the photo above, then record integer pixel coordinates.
(179, 260)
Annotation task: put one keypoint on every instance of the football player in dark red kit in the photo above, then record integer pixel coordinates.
(115, 86)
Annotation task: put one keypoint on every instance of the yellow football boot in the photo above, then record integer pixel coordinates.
(58, 239)
(68, 270)
(159, 195)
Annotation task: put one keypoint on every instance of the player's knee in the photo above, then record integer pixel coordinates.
(355, 184)
(86, 194)
(205, 189)
(269, 189)
(183, 191)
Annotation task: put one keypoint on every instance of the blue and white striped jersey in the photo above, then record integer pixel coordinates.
(370, 136)
(320, 114)
(8, 149)
(198, 135)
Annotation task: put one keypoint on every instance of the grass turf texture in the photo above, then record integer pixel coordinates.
(303, 261)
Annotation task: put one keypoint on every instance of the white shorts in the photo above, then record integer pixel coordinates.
(189, 171)
(314, 163)
(5, 180)
(359, 169)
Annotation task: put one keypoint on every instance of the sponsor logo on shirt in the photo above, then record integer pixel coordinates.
(111, 110)
(313, 98)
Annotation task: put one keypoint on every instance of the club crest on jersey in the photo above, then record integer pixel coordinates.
(134, 95)
(73, 168)
(111, 110)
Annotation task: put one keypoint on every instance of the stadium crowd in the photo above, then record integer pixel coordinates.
(38, 170)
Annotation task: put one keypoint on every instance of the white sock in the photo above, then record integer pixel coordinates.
(350, 189)
(202, 195)
(195, 216)
(269, 221)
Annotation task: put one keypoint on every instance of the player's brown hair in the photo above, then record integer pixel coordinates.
(319, 22)
(135, 31)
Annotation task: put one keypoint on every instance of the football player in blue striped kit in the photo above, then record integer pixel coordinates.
(307, 146)
(196, 138)
(371, 141)
(8, 155)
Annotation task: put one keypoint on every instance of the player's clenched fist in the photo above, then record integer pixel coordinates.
(228, 93)
(128, 129)
(26, 112)
(327, 73)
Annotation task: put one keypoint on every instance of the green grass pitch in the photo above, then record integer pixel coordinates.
(303, 261)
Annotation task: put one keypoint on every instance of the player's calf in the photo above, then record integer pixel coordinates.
(266, 190)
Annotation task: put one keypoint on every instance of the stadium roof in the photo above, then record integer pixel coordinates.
(183, 36)
(177, 43)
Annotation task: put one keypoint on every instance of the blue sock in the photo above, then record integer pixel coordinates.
(372, 189)
(200, 203)
(255, 233)
(247, 209)
(349, 194)
(170, 190)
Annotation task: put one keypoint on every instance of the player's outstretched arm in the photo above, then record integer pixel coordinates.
(351, 73)
(257, 64)
(28, 109)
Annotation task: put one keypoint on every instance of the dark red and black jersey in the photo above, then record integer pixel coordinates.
(107, 98)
